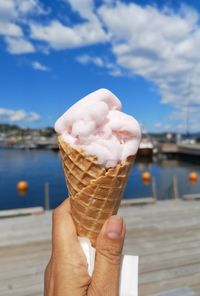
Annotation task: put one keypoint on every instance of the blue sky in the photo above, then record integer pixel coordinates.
(55, 52)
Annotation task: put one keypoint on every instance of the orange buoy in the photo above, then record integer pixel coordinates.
(146, 177)
(22, 186)
(193, 177)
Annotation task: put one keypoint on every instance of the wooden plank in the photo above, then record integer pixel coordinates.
(21, 212)
(191, 281)
(189, 197)
(178, 292)
(24, 229)
(137, 201)
(166, 236)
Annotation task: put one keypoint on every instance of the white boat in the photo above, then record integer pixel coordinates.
(146, 147)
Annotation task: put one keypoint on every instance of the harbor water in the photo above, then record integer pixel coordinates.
(40, 166)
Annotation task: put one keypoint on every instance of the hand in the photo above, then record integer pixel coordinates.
(66, 273)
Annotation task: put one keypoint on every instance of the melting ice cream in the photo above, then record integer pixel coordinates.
(97, 125)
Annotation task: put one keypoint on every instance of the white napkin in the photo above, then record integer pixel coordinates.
(129, 269)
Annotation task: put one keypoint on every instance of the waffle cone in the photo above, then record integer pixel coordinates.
(95, 192)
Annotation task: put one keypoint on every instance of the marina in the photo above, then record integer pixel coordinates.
(39, 167)
(161, 206)
(146, 148)
(151, 144)
(166, 236)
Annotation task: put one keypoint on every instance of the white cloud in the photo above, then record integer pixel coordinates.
(160, 45)
(186, 118)
(14, 13)
(59, 36)
(85, 59)
(7, 10)
(17, 115)
(158, 125)
(38, 66)
(84, 8)
(10, 29)
(13, 9)
(19, 45)
(32, 116)
(116, 72)
(29, 7)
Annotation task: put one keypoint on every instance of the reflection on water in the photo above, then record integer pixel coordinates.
(163, 170)
(37, 167)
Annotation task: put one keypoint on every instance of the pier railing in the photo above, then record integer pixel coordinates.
(173, 188)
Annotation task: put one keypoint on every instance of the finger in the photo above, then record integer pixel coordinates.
(48, 284)
(64, 237)
(67, 271)
(105, 279)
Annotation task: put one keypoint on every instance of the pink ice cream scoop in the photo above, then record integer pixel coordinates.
(97, 124)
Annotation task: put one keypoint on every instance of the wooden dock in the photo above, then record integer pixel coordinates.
(21, 212)
(190, 197)
(165, 235)
(180, 148)
(189, 149)
(138, 201)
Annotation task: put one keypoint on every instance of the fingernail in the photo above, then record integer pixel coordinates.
(114, 227)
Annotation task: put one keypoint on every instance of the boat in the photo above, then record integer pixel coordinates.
(146, 147)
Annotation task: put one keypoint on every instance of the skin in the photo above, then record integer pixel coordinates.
(66, 273)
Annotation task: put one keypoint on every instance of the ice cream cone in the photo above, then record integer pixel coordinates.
(95, 192)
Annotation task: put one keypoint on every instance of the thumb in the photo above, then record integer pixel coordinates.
(105, 279)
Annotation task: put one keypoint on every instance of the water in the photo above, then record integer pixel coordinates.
(38, 167)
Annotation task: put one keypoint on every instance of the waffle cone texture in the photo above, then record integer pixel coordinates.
(95, 192)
